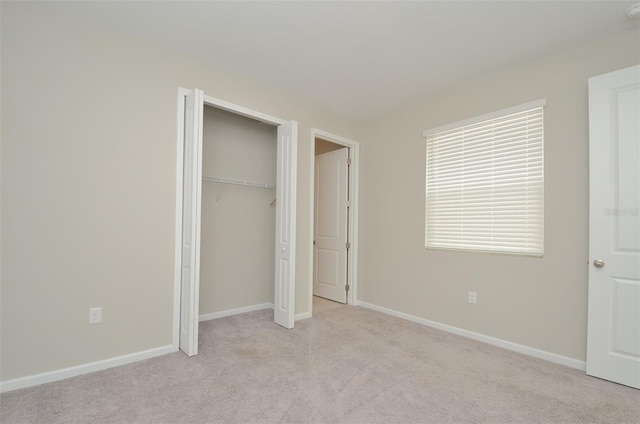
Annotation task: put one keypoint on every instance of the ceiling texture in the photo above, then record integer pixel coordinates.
(362, 59)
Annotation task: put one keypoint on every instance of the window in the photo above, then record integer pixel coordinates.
(485, 183)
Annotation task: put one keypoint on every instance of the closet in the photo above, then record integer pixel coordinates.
(237, 196)
(238, 214)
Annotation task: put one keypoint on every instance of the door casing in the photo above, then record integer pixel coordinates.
(352, 259)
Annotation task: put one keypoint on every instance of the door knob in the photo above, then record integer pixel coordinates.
(598, 263)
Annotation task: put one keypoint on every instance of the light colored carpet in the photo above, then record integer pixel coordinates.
(345, 365)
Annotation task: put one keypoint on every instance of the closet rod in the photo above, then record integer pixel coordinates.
(238, 182)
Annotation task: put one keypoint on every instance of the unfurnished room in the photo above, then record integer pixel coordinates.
(320, 211)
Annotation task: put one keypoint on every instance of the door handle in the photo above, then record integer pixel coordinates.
(598, 263)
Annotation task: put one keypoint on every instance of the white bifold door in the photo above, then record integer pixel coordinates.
(191, 207)
(191, 210)
(330, 225)
(613, 342)
(283, 304)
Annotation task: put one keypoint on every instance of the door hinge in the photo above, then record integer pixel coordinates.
(348, 203)
(346, 288)
(348, 161)
(348, 245)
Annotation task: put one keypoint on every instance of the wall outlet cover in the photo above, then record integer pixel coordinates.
(95, 315)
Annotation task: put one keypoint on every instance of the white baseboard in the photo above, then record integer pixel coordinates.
(51, 376)
(48, 377)
(552, 357)
(229, 312)
(303, 315)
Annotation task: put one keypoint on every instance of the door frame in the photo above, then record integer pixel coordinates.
(243, 111)
(352, 221)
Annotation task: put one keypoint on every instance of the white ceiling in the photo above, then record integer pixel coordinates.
(363, 59)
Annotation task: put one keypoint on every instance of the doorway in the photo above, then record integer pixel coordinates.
(189, 177)
(330, 221)
(238, 214)
(334, 217)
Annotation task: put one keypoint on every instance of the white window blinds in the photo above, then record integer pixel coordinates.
(485, 185)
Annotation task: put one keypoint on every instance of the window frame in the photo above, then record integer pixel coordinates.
(537, 104)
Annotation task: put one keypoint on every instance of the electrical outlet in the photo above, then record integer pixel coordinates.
(95, 315)
(472, 297)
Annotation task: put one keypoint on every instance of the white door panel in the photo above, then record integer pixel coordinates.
(613, 344)
(330, 225)
(191, 200)
(283, 307)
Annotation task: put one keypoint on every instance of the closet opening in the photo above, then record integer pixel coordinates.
(237, 235)
(235, 214)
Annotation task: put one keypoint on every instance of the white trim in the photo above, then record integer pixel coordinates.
(515, 347)
(235, 311)
(354, 184)
(492, 115)
(182, 94)
(244, 111)
(51, 376)
(302, 316)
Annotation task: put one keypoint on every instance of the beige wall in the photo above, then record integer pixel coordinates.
(88, 186)
(541, 303)
(237, 266)
(88, 195)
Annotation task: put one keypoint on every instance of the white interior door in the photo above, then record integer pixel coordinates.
(330, 225)
(191, 200)
(283, 305)
(613, 344)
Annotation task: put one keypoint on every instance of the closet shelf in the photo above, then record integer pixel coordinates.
(237, 182)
